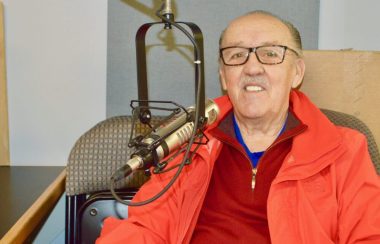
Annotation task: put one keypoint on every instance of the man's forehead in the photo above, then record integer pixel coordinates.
(264, 43)
(257, 17)
(274, 31)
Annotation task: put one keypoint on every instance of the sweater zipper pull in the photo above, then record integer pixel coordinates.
(254, 172)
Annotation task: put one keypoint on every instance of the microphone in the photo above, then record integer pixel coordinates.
(176, 132)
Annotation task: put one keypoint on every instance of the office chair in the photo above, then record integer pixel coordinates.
(102, 149)
(95, 156)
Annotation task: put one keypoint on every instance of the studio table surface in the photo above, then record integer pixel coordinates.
(20, 186)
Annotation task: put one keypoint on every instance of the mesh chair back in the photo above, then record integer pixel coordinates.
(346, 120)
(99, 153)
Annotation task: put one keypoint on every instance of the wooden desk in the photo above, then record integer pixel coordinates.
(27, 196)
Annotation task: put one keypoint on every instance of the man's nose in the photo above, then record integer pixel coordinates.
(253, 66)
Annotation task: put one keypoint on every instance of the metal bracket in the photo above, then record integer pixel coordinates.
(142, 82)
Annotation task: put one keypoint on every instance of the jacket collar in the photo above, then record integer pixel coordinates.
(320, 142)
(321, 136)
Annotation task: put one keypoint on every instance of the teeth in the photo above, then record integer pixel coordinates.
(254, 88)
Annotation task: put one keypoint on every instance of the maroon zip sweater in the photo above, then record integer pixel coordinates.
(232, 211)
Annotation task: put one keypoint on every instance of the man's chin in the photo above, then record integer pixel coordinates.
(251, 112)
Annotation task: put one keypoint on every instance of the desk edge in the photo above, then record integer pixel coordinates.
(25, 225)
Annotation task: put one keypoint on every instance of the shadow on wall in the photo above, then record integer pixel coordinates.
(166, 37)
(149, 11)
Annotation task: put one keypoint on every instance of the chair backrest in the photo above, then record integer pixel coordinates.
(99, 152)
(96, 155)
(346, 120)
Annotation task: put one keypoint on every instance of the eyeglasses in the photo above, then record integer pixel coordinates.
(268, 54)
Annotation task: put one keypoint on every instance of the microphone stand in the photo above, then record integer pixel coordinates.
(167, 17)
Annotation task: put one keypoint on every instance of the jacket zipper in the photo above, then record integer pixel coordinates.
(255, 170)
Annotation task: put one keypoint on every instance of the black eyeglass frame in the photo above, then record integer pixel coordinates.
(253, 50)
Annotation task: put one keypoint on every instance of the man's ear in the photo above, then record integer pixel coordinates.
(222, 79)
(300, 72)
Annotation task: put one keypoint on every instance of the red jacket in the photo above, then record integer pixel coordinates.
(326, 191)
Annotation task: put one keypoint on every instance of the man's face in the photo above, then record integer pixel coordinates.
(259, 90)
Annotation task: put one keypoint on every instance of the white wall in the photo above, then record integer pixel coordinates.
(56, 75)
(349, 24)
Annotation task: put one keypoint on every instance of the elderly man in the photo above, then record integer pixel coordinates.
(275, 170)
